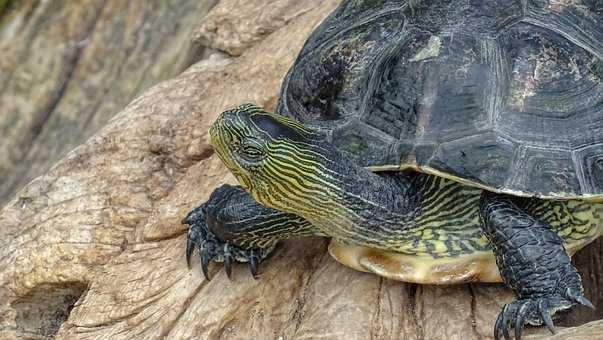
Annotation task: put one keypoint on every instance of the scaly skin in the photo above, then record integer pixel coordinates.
(532, 261)
(300, 177)
(233, 226)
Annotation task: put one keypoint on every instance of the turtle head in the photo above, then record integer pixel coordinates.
(273, 157)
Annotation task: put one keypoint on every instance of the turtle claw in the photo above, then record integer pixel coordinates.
(205, 257)
(211, 248)
(498, 325)
(584, 301)
(577, 296)
(513, 314)
(253, 265)
(535, 311)
(502, 324)
(546, 318)
(520, 320)
(228, 261)
(190, 246)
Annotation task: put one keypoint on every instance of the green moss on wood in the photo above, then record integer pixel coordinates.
(3, 5)
(6, 5)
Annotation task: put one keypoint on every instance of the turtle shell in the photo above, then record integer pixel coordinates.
(503, 95)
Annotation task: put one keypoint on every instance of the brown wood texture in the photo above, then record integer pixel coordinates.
(67, 67)
(94, 248)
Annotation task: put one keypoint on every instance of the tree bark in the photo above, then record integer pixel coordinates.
(94, 247)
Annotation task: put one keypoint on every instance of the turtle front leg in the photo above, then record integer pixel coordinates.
(232, 226)
(532, 261)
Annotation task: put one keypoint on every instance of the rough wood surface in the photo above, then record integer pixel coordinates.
(67, 67)
(94, 248)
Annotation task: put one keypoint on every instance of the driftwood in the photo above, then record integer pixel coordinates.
(94, 248)
(67, 67)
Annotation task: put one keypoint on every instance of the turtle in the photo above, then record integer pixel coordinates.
(434, 142)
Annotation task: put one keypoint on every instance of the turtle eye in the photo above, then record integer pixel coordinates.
(251, 151)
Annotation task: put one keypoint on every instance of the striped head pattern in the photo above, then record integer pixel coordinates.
(276, 159)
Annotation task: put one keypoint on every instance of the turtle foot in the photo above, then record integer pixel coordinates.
(535, 311)
(211, 248)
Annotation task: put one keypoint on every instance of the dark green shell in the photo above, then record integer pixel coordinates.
(506, 95)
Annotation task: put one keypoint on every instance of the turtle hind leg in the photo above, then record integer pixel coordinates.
(532, 261)
(232, 227)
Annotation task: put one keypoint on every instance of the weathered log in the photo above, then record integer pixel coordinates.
(67, 67)
(94, 248)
